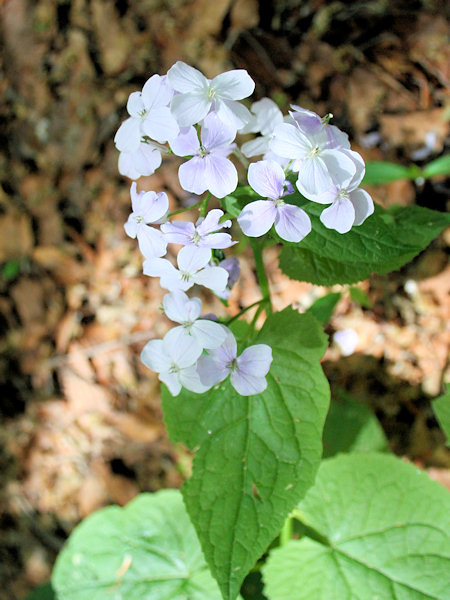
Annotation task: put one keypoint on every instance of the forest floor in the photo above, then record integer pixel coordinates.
(81, 418)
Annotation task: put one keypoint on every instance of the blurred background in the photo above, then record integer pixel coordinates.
(81, 424)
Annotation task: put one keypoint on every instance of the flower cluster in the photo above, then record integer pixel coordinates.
(197, 119)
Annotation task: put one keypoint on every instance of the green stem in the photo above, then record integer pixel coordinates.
(182, 210)
(257, 248)
(204, 205)
(286, 532)
(244, 310)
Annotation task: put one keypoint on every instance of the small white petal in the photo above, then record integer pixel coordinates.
(172, 381)
(179, 337)
(192, 175)
(255, 360)
(184, 78)
(313, 177)
(214, 278)
(154, 357)
(363, 205)
(151, 242)
(292, 223)
(267, 178)
(210, 371)
(191, 381)
(289, 142)
(259, 145)
(191, 259)
(209, 334)
(180, 308)
(233, 85)
(160, 124)
(341, 167)
(135, 105)
(189, 109)
(221, 174)
(247, 385)
(257, 217)
(186, 143)
(156, 92)
(339, 216)
(128, 136)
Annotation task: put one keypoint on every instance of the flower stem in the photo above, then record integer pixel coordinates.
(204, 205)
(241, 312)
(182, 210)
(257, 247)
(286, 532)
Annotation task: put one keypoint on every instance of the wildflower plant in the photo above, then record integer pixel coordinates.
(252, 403)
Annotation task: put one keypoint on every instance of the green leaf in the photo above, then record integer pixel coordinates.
(384, 242)
(379, 172)
(323, 307)
(360, 297)
(43, 592)
(440, 166)
(351, 427)
(380, 528)
(145, 551)
(441, 407)
(257, 455)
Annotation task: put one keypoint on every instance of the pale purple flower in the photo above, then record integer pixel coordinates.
(231, 265)
(148, 207)
(142, 162)
(311, 123)
(203, 332)
(175, 363)
(192, 269)
(247, 371)
(209, 169)
(204, 234)
(198, 95)
(350, 205)
(149, 115)
(292, 223)
(318, 164)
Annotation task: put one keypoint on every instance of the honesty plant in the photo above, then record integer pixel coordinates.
(252, 403)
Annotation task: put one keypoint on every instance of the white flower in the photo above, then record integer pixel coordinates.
(142, 162)
(149, 115)
(203, 332)
(148, 207)
(198, 95)
(291, 222)
(346, 340)
(193, 269)
(175, 363)
(247, 371)
(318, 164)
(267, 117)
(204, 234)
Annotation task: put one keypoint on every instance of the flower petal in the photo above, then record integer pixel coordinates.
(218, 241)
(221, 175)
(233, 85)
(211, 222)
(190, 108)
(190, 380)
(170, 277)
(192, 175)
(257, 217)
(268, 115)
(135, 104)
(172, 381)
(160, 124)
(179, 337)
(210, 371)
(154, 206)
(214, 278)
(191, 259)
(179, 308)
(233, 113)
(288, 141)
(247, 385)
(267, 178)
(292, 223)
(255, 360)
(184, 78)
(154, 357)
(144, 161)
(313, 177)
(128, 136)
(209, 334)
(186, 143)
(341, 167)
(156, 92)
(363, 205)
(178, 232)
(339, 216)
(216, 133)
(259, 145)
(151, 241)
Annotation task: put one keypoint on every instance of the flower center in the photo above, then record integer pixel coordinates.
(278, 202)
(314, 151)
(202, 152)
(211, 93)
(143, 113)
(185, 276)
(343, 195)
(231, 366)
(187, 325)
(196, 238)
(139, 219)
(174, 368)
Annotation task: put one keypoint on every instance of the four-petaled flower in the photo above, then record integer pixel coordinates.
(204, 234)
(291, 222)
(204, 333)
(148, 207)
(175, 363)
(247, 371)
(208, 169)
(149, 115)
(198, 95)
(193, 269)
